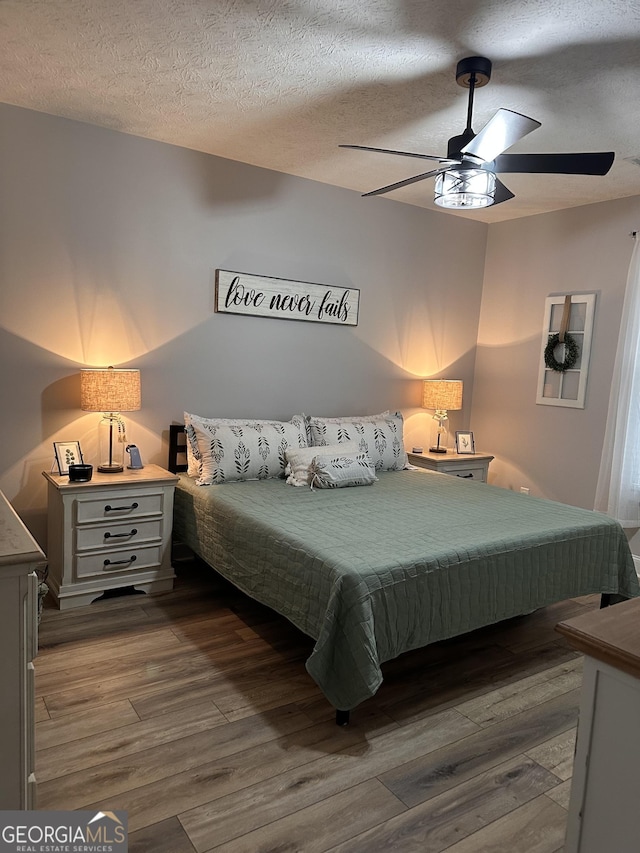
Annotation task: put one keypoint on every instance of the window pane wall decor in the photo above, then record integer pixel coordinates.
(562, 377)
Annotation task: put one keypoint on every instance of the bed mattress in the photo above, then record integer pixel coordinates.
(417, 557)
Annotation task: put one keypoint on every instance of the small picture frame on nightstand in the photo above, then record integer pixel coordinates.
(67, 453)
(465, 442)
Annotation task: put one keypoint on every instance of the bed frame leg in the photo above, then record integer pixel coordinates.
(342, 718)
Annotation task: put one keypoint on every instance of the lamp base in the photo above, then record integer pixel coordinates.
(114, 468)
(431, 450)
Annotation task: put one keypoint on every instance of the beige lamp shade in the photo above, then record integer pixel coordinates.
(442, 394)
(109, 390)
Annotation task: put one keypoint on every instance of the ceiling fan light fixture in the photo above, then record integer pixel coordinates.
(466, 178)
(465, 188)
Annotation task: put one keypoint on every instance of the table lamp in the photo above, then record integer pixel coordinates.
(110, 391)
(443, 395)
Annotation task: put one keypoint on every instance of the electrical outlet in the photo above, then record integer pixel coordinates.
(524, 490)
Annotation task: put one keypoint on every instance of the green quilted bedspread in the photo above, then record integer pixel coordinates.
(373, 571)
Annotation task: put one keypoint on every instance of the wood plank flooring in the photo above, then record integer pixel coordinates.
(192, 710)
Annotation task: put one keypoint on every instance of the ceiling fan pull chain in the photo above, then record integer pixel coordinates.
(564, 324)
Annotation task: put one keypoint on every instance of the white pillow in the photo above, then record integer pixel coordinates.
(359, 418)
(381, 438)
(350, 417)
(336, 470)
(194, 461)
(299, 461)
(246, 451)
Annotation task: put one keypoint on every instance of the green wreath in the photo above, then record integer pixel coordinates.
(571, 353)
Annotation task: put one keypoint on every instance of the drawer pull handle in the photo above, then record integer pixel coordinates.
(131, 559)
(132, 532)
(465, 476)
(110, 508)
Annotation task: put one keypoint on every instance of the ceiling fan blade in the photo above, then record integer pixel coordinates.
(501, 194)
(499, 133)
(406, 182)
(597, 163)
(401, 153)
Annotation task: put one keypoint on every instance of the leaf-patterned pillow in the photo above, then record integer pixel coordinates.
(382, 439)
(254, 451)
(299, 461)
(194, 458)
(336, 470)
(309, 418)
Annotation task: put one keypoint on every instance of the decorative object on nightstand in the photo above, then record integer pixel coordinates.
(110, 391)
(67, 453)
(443, 395)
(111, 532)
(465, 442)
(80, 473)
(135, 460)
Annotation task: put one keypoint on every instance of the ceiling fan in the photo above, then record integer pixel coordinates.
(467, 176)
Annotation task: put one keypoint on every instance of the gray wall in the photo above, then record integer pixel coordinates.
(108, 246)
(553, 451)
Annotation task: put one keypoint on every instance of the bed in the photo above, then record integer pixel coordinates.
(418, 557)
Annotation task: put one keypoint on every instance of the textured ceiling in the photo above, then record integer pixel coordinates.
(280, 83)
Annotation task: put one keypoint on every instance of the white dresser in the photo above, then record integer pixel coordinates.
(114, 531)
(606, 770)
(20, 556)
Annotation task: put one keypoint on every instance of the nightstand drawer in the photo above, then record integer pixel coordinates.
(473, 466)
(119, 535)
(112, 562)
(115, 506)
(468, 473)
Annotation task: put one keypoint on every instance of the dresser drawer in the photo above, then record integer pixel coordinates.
(117, 561)
(31, 616)
(30, 722)
(119, 535)
(116, 506)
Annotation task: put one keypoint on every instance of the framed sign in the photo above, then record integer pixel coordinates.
(263, 296)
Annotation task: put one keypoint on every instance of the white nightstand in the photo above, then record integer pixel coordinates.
(467, 466)
(111, 532)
